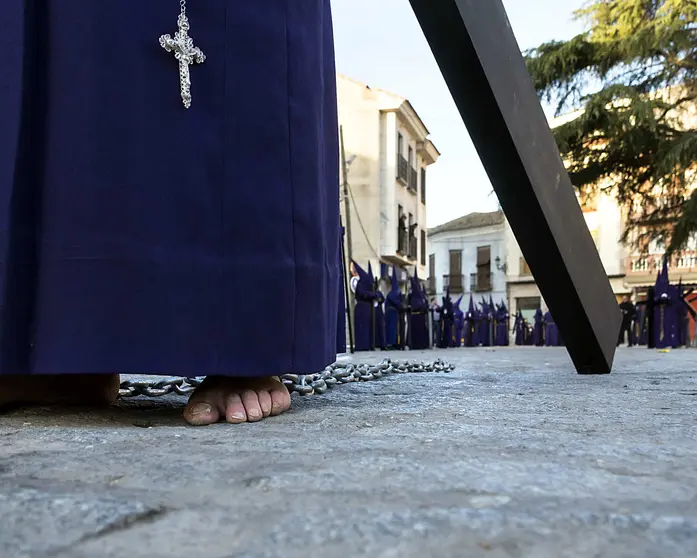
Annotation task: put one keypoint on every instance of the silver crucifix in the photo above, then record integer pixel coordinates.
(185, 52)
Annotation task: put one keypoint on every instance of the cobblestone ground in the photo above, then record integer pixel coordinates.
(511, 455)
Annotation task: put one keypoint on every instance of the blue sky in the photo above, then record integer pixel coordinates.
(380, 43)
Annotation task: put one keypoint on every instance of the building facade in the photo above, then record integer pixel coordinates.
(467, 255)
(605, 223)
(386, 153)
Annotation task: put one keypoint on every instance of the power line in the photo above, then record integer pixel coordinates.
(360, 223)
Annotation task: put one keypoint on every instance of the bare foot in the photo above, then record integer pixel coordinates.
(71, 389)
(236, 400)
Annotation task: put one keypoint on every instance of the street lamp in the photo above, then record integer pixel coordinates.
(500, 267)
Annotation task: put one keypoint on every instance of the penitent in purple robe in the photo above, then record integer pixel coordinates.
(470, 333)
(501, 338)
(137, 236)
(445, 334)
(665, 306)
(458, 323)
(395, 317)
(378, 312)
(519, 328)
(418, 316)
(538, 332)
(364, 311)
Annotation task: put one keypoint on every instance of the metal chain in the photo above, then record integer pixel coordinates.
(182, 5)
(308, 384)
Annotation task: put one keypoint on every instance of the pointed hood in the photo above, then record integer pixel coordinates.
(394, 281)
(364, 278)
(470, 308)
(662, 280)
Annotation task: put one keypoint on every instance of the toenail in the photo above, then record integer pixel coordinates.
(237, 415)
(201, 409)
(254, 414)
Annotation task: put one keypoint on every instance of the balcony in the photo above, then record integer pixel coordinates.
(431, 286)
(402, 169)
(413, 180)
(455, 282)
(481, 282)
(645, 268)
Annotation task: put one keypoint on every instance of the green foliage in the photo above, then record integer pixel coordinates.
(632, 76)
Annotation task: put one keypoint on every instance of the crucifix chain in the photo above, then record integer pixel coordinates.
(184, 51)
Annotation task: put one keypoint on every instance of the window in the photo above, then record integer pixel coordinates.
(431, 283)
(400, 144)
(454, 279)
(524, 267)
(423, 247)
(411, 156)
(483, 282)
(423, 185)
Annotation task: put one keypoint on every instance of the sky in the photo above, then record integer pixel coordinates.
(380, 43)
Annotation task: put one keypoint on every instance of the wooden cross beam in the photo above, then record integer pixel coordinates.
(485, 71)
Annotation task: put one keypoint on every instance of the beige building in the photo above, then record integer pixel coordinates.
(387, 152)
(605, 223)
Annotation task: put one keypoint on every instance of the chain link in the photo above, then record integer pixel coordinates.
(182, 5)
(308, 384)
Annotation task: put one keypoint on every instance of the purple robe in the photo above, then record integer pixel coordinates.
(501, 337)
(519, 330)
(417, 334)
(538, 334)
(395, 323)
(459, 323)
(137, 236)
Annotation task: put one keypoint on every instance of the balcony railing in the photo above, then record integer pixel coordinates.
(651, 264)
(413, 184)
(402, 169)
(431, 285)
(455, 282)
(481, 282)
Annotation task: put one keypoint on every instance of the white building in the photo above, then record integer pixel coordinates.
(387, 152)
(468, 255)
(605, 223)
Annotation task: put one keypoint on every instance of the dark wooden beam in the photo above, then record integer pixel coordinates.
(485, 71)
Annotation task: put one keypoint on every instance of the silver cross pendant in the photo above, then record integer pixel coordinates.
(186, 53)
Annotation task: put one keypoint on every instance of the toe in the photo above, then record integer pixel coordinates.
(280, 400)
(250, 399)
(265, 402)
(201, 413)
(234, 409)
(204, 405)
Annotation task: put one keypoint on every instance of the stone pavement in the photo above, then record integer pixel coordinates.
(512, 455)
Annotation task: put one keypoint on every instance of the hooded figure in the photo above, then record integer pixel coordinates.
(395, 317)
(418, 316)
(519, 328)
(470, 333)
(664, 313)
(501, 337)
(447, 317)
(538, 332)
(551, 331)
(378, 312)
(364, 314)
(459, 323)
